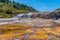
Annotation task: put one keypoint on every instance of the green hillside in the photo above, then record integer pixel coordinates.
(9, 9)
(57, 10)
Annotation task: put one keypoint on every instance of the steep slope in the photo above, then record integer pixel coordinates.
(9, 9)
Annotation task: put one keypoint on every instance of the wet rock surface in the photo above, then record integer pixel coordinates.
(43, 33)
(31, 29)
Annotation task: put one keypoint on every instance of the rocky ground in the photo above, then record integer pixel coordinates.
(15, 32)
(33, 29)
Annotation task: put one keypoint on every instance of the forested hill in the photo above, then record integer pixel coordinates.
(9, 9)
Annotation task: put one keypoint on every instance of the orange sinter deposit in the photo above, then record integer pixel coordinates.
(12, 32)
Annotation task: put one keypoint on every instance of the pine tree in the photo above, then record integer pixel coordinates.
(4, 1)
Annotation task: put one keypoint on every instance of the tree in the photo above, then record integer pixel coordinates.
(4, 1)
(8, 8)
(57, 10)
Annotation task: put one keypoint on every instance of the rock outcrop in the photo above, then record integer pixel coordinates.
(45, 15)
